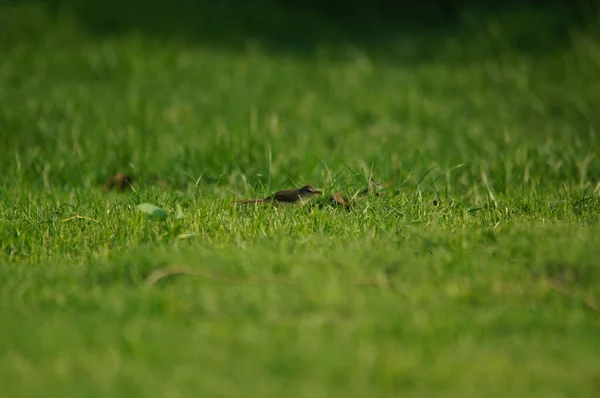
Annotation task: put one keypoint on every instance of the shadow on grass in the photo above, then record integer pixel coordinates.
(422, 32)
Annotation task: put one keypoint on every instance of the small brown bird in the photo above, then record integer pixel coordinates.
(287, 197)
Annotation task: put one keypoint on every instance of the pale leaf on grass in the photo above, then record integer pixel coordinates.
(152, 211)
(179, 214)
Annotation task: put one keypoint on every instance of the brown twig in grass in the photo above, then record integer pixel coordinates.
(560, 287)
(161, 273)
(165, 272)
(78, 217)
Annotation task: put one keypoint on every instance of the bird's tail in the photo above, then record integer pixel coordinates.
(245, 202)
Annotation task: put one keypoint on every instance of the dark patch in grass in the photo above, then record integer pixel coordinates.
(339, 200)
(119, 182)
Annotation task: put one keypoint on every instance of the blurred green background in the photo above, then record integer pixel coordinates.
(325, 72)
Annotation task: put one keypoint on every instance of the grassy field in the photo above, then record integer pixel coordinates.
(475, 272)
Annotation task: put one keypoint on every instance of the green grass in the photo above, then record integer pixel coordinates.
(476, 273)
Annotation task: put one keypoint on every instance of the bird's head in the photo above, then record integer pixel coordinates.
(308, 191)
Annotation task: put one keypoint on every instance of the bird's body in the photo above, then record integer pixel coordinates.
(287, 197)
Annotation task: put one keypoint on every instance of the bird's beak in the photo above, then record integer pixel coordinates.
(317, 192)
